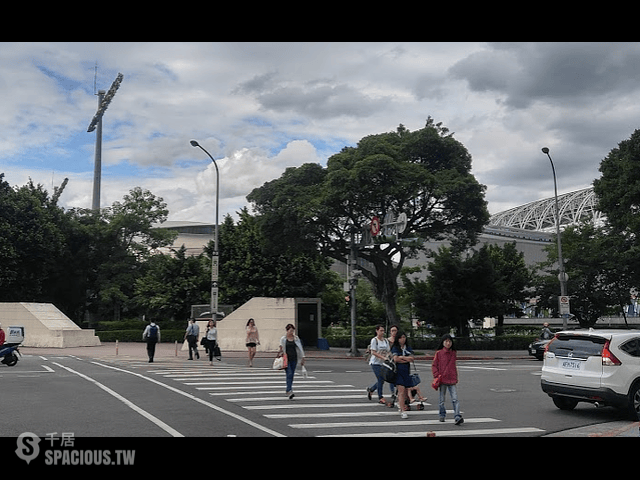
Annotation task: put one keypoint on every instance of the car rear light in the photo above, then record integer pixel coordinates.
(608, 358)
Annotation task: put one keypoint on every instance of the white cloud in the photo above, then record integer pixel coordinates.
(261, 107)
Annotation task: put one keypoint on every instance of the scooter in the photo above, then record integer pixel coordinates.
(9, 350)
(9, 353)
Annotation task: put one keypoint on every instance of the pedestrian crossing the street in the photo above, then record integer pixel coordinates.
(324, 407)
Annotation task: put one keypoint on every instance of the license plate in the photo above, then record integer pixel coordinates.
(571, 364)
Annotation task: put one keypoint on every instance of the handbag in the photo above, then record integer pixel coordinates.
(389, 372)
(280, 362)
(414, 378)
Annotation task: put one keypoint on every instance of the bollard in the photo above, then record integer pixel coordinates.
(116, 347)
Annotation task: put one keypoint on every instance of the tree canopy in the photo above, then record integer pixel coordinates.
(424, 174)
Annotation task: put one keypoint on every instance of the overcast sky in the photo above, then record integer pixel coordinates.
(261, 107)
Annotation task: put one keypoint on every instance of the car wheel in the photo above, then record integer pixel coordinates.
(565, 403)
(634, 402)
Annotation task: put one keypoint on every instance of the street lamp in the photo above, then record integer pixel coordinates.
(96, 121)
(214, 256)
(562, 277)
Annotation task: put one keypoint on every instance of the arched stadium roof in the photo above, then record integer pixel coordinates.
(574, 207)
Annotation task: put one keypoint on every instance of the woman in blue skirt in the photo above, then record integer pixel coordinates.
(403, 356)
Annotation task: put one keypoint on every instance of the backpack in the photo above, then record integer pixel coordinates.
(153, 333)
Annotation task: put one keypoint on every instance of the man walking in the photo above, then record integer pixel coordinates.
(193, 331)
(151, 335)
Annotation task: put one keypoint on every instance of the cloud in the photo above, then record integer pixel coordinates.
(567, 73)
(261, 107)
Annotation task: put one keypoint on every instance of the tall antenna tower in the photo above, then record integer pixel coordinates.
(96, 121)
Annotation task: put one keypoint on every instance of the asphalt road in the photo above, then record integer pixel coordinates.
(55, 394)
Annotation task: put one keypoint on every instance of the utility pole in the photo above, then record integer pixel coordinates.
(353, 281)
(96, 122)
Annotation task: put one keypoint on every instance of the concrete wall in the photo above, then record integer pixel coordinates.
(46, 326)
(271, 315)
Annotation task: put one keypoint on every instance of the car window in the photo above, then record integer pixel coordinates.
(632, 347)
(577, 346)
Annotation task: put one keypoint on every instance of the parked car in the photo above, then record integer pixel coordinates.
(537, 348)
(596, 366)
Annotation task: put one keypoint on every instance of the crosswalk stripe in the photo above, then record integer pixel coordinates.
(379, 413)
(294, 404)
(281, 392)
(443, 433)
(257, 387)
(404, 422)
(283, 398)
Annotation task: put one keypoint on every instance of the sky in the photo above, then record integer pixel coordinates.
(259, 108)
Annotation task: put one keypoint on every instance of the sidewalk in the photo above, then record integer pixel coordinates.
(171, 352)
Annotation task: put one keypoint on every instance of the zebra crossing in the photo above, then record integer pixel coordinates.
(323, 407)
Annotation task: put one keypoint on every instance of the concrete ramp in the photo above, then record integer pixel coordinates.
(271, 315)
(46, 326)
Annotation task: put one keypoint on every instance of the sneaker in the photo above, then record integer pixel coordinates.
(404, 415)
(369, 393)
(459, 421)
(442, 419)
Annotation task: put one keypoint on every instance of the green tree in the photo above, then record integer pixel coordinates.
(32, 243)
(171, 284)
(252, 266)
(424, 174)
(491, 281)
(122, 238)
(618, 194)
(599, 284)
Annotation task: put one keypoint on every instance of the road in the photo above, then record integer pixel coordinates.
(52, 395)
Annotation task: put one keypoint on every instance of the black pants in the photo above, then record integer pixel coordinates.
(193, 344)
(151, 349)
(211, 347)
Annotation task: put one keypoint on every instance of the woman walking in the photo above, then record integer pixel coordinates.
(252, 340)
(403, 356)
(444, 366)
(211, 339)
(291, 345)
(379, 349)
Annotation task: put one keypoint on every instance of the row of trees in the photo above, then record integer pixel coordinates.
(426, 175)
(106, 265)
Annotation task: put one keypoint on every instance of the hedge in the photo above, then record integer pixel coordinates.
(341, 338)
(136, 335)
(503, 342)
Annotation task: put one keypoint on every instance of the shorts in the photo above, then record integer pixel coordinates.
(251, 344)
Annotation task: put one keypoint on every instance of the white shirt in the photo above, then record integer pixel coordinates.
(380, 346)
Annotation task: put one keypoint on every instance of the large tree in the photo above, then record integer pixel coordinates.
(489, 282)
(425, 175)
(618, 194)
(253, 267)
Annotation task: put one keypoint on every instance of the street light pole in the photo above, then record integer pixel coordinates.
(214, 256)
(562, 277)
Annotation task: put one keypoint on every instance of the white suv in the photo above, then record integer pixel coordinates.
(596, 366)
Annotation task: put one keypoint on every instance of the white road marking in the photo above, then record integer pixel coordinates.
(199, 400)
(129, 404)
